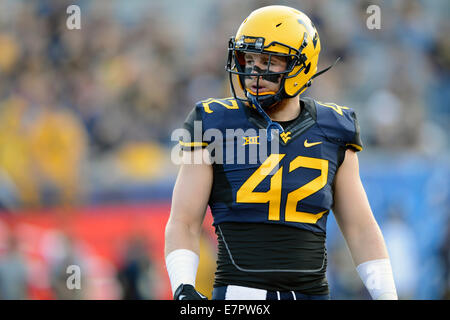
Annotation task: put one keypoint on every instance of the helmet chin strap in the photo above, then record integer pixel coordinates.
(326, 69)
(272, 125)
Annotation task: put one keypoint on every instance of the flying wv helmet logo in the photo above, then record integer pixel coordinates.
(311, 29)
(316, 37)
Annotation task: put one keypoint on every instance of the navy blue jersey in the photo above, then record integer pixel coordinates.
(292, 186)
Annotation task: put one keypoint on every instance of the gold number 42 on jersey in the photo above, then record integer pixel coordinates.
(246, 193)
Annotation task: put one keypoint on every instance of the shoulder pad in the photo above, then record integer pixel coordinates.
(206, 114)
(339, 124)
(212, 105)
(192, 137)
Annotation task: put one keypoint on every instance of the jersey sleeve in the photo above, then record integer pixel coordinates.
(352, 137)
(340, 125)
(192, 137)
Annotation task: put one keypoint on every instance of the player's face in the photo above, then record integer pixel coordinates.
(258, 63)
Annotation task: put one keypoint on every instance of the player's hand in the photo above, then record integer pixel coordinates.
(188, 292)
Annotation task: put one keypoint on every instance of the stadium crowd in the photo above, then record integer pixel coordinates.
(86, 115)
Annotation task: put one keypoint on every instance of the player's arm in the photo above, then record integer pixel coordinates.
(183, 229)
(361, 231)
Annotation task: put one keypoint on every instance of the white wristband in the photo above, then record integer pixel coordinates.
(182, 267)
(378, 279)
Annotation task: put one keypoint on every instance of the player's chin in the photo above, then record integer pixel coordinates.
(272, 106)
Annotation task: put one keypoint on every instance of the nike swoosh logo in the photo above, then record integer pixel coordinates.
(312, 144)
(181, 297)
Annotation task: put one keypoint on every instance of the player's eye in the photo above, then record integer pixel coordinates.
(265, 63)
(249, 62)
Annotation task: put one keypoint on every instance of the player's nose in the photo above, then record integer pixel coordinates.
(258, 69)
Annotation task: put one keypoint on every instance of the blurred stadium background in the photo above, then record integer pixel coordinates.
(86, 118)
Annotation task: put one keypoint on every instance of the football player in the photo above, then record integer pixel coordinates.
(270, 215)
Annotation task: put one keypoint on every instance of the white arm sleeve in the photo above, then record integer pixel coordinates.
(182, 267)
(378, 279)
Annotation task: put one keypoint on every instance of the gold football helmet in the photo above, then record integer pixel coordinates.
(280, 31)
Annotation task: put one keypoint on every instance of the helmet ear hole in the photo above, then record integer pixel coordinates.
(307, 68)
